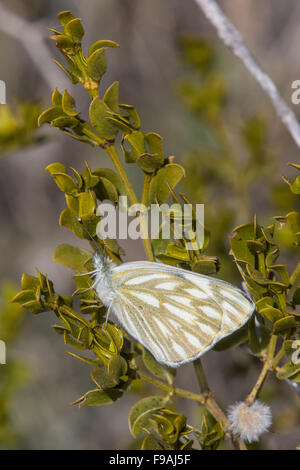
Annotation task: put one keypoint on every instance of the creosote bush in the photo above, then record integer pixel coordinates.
(118, 364)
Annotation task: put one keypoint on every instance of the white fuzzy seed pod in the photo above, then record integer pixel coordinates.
(249, 422)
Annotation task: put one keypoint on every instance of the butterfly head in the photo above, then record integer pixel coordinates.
(102, 263)
(103, 273)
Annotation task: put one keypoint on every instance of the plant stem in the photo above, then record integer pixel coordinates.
(145, 195)
(144, 226)
(266, 367)
(201, 376)
(176, 391)
(111, 150)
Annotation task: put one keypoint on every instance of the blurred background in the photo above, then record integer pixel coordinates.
(213, 118)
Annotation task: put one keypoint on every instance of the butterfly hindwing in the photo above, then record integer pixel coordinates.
(176, 314)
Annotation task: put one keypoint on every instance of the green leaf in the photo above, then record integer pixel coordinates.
(50, 114)
(75, 343)
(99, 114)
(117, 367)
(99, 397)
(73, 317)
(62, 179)
(74, 29)
(296, 296)
(72, 257)
(284, 324)
(87, 204)
(295, 187)
(288, 370)
(177, 252)
(142, 411)
(68, 104)
(134, 119)
(111, 97)
(206, 265)
(154, 142)
(168, 260)
(113, 177)
(272, 314)
(116, 338)
(158, 370)
(64, 17)
(96, 65)
(56, 168)
(149, 162)
(34, 306)
(90, 180)
(69, 220)
(105, 189)
(167, 177)
(64, 122)
(56, 98)
(281, 270)
(239, 245)
(64, 43)
(100, 44)
(255, 246)
(24, 296)
(29, 282)
(293, 221)
(265, 302)
(137, 142)
(102, 379)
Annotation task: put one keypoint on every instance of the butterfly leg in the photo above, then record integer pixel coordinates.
(107, 315)
(86, 274)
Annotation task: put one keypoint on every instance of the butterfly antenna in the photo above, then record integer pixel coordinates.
(93, 240)
(105, 248)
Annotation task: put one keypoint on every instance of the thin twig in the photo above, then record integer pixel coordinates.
(201, 376)
(33, 42)
(268, 364)
(234, 40)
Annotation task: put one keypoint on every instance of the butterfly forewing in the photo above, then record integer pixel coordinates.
(176, 314)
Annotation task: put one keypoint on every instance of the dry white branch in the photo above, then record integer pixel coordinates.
(233, 39)
(33, 42)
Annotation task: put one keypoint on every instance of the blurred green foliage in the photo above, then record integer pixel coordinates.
(18, 126)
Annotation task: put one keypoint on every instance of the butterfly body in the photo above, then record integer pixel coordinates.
(176, 314)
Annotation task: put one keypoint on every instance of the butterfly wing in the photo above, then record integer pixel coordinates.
(176, 314)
